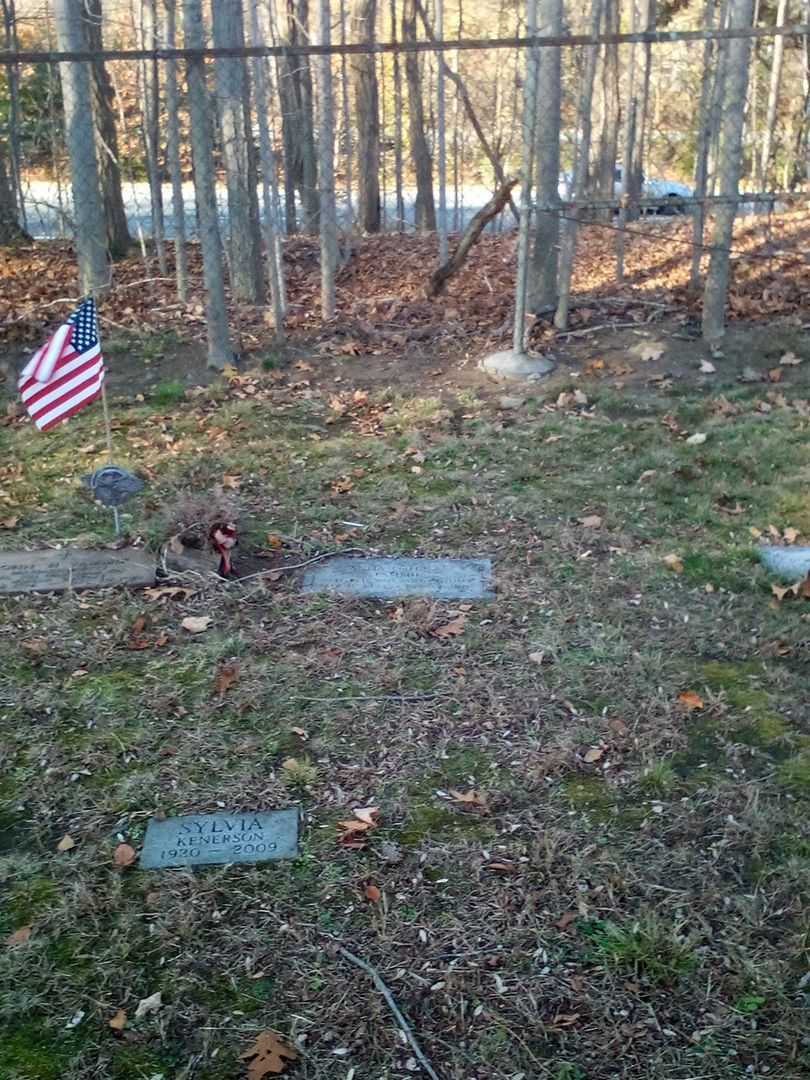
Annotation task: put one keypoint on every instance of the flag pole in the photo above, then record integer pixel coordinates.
(107, 429)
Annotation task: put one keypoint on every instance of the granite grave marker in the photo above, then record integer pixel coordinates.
(214, 839)
(66, 568)
(390, 579)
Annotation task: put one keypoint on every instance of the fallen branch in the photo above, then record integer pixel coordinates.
(457, 81)
(392, 1005)
(440, 277)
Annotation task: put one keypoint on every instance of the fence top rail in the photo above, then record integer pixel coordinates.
(651, 37)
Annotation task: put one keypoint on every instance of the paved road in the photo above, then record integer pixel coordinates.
(48, 208)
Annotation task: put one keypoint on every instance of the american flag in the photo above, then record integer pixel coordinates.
(67, 373)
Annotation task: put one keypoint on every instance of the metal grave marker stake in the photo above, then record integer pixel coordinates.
(215, 839)
(390, 579)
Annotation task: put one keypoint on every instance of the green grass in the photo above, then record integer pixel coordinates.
(679, 853)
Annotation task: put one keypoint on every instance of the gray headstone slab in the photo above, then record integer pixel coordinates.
(392, 579)
(216, 839)
(790, 563)
(55, 571)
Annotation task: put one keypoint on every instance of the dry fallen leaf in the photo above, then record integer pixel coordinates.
(372, 894)
(231, 481)
(790, 535)
(196, 624)
(125, 855)
(149, 1005)
(269, 1054)
(690, 700)
(168, 592)
(451, 629)
(674, 563)
(648, 474)
(227, 676)
(119, 1021)
(592, 521)
(707, 367)
(594, 754)
(649, 351)
(9, 522)
(618, 726)
(566, 919)
(697, 439)
(790, 359)
(20, 936)
(353, 832)
(781, 591)
(537, 657)
(67, 843)
(775, 375)
(471, 798)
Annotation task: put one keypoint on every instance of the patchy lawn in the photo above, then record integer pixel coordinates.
(630, 899)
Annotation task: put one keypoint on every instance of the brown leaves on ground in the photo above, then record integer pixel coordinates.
(9, 522)
(119, 1021)
(451, 629)
(124, 855)
(674, 563)
(592, 521)
(470, 800)
(226, 677)
(268, 1055)
(67, 843)
(354, 832)
(19, 936)
(799, 590)
(594, 754)
(372, 893)
(691, 700)
(197, 624)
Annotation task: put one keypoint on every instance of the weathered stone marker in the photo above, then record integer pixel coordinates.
(213, 839)
(390, 579)
(790, 563)
(53, 571)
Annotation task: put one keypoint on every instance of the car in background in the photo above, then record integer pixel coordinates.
(651, 188)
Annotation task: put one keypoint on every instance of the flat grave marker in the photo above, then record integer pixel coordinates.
(215, 839)
(66, 568)
(790, 563)
(391, 579)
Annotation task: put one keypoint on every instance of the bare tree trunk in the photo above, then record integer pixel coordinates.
(543, 288)
(635, 182)
(118, 238)
(10, 227)
(806, 43)
(233, 99)
(173, 155)
(14, 168)
(730, 168)
(456, 79)
(609, 133)
(439, 278)
(270, 201)
(367, 105)
(717, 98)
(346, 117)
(702, 149)
(569, 237)
(441, 120)
(216, 315)
(150, 92)
(300, 159)
(398, 169)
(773, 97)
(88, 207)
(529, 126)
(326, 143)
(425, 209)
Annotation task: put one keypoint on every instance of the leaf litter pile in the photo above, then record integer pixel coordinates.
(567, 828)
(382, 304)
